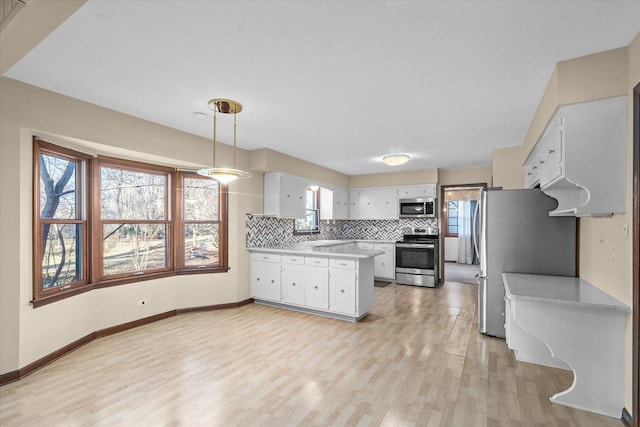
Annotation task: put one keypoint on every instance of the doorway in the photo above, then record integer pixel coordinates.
(635, 382)
(459, 254)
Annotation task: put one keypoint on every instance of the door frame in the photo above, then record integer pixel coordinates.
(443, 189)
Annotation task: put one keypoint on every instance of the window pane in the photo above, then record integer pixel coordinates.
(453, 221)
(310, 223)
(132, 195)
(201, 244)
(130, 248)
(311, 199)
(58, 196)
(453, 229)
(61, 257)
(200, 199)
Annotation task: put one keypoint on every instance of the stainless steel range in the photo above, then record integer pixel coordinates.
(417, 260)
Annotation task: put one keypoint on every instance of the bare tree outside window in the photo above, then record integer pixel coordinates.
(133, 211)
(61, 225)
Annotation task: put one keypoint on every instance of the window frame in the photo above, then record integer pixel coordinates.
(315, 227)
(89, 209)
(223, 227)
(41, 148)
(446, 220)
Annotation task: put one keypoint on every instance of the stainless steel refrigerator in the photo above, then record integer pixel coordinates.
(514, 233)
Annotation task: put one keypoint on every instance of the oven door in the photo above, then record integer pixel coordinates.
(415, 258)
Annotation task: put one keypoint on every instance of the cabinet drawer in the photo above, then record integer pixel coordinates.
(387, 247)
(364, 245)
(316, 261)
(266, 257)
(345, 264)
(293, 259)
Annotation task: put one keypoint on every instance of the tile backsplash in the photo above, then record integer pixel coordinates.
(266, 231)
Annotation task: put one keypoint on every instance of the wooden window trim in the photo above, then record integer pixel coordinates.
(223, 227)
(41, 147)
(89, 211)
(446, 222)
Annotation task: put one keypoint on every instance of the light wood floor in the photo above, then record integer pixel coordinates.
(416, 360)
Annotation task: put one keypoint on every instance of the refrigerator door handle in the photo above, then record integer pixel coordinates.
(474, 228)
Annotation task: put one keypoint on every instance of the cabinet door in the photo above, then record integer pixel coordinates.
(340, 204)
(342, 291)
(368, 204)
(293, 284)
(317, 288)
(551, 155)
(265, 280)
(293, 198)
(354, 205)
(385, 264)
(387, 204)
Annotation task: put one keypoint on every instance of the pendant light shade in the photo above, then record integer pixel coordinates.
(224, 175)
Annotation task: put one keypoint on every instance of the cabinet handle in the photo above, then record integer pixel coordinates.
(541, 162)
(272, 281)
(529, 173)
(552, 151)
(258, 279)
(294, 283)
(535, 167)
(315, 287)
(288, 195)
(342, 290)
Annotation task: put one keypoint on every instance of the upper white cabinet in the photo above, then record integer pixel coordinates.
(374, 203)
(284, 195)
(416, 191)
(580, 158)
(334, 203)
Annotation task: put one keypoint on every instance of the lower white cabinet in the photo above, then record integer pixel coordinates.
(293, 279)
(385, 265)
(342, 290)
(265, 276)
(317, 288)
(335, 287)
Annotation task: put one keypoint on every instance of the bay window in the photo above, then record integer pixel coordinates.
(104, 221)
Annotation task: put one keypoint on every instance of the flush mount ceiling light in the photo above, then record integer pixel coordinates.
(396, 159)
(224, 175)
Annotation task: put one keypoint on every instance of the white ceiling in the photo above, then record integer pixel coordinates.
(337, 83)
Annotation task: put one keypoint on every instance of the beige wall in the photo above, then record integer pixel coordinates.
(423, 176)
(506, 168)
(266, 160)
(477, 175)
(25, 111)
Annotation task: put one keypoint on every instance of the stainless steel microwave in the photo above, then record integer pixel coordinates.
(425, 207)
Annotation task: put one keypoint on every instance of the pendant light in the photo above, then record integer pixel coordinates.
(224, 175)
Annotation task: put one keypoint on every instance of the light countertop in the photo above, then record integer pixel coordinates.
(332, 248)
(570, 291)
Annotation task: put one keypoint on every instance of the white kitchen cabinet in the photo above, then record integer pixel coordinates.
(338, 287)
(388, 204)
(385, 265)
(334, 204)
(342, 291)
(378, 204)
(416, 191)
(293, 279)
(580, 159)
(368, 204)
(284, 195)
(317, 287)
(354, 204)
(265, 276)
(340, 203)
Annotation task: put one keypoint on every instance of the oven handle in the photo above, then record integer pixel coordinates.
(415, 245)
